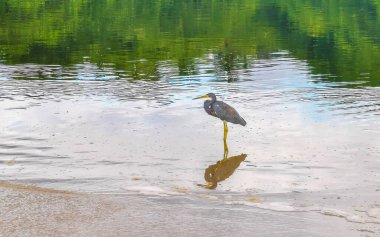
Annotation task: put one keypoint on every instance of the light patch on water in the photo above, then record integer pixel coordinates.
(150, 190)
(349, 217)
(274, 206)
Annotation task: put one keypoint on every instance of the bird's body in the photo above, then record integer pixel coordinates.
(224, 112)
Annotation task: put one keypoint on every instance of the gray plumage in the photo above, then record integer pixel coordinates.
(222, 110)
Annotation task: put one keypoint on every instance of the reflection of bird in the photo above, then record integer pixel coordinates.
(223, 111)
(221, 170)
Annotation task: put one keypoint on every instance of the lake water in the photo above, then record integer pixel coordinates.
(97, 97)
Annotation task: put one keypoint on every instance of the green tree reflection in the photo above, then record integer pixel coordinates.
(338, 38)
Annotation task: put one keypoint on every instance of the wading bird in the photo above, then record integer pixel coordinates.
(223, 111)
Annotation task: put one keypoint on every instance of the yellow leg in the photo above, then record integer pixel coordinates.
(225, 140)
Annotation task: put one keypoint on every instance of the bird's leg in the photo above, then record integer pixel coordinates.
(225, 140)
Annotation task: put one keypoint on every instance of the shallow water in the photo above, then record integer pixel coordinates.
(151, 138)
(122, 120)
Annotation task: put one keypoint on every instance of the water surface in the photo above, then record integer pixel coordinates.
(96, 97)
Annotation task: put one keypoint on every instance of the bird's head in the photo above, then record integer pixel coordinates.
(207, 96)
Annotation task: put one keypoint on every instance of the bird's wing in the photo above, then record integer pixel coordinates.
(224, 111)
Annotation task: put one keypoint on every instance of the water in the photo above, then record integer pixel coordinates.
(97, 98)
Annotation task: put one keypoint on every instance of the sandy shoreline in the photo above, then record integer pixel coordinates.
(34, 211)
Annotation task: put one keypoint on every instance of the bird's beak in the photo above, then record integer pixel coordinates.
(201, 97)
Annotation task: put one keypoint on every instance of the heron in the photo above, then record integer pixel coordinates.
(222, 111)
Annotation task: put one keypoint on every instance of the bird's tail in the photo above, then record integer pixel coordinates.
(242, 121)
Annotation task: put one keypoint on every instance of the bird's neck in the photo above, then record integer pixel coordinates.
(207, 104)
(210, 102)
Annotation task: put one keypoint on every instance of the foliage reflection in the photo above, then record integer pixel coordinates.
(339, 39)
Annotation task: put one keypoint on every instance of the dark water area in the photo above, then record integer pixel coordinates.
(137, 39)
(96, 97)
